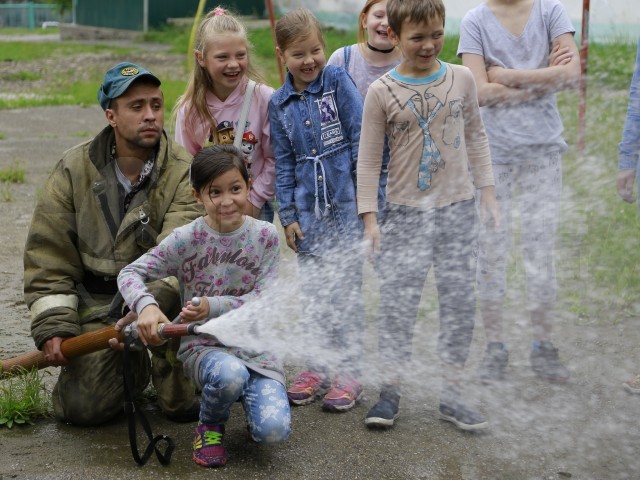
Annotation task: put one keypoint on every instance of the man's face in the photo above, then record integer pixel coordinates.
(137, 116)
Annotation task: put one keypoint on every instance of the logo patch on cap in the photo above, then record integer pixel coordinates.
(129, 71)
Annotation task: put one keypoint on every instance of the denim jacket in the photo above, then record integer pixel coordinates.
(315, 135)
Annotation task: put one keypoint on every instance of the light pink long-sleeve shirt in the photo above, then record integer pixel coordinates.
(194, 134)
(437, 117)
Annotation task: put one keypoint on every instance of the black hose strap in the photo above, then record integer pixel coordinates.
(132, 413)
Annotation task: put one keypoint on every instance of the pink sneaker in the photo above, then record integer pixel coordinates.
(306, 387)
(343, 394)
(208, 450)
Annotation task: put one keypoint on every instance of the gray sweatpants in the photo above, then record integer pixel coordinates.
(411, 241)
(532, 189)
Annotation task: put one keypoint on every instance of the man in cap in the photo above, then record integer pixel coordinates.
(107, 202)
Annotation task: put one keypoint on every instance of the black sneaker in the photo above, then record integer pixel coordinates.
(545, 362)
(494, 363)
(385, 412)
(462, 416)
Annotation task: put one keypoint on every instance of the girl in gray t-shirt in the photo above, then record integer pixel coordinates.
(521, 52)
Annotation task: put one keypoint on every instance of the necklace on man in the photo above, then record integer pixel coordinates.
(371, 47)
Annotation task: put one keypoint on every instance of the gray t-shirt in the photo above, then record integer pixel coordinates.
(360, 71)
(534, 126)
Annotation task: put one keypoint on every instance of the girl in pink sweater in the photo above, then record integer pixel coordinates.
(210, 111)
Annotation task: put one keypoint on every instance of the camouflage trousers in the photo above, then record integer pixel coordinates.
(90, 389)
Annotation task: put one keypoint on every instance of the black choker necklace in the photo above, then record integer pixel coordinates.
(371, 47)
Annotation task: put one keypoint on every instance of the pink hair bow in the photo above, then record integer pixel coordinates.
(218, 11)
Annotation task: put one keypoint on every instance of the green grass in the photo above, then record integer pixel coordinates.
(610, 65)
(83, 134)
(9, 176)
(176, 36)
(29, 31)
(6, 192)
(12, 174)
(19, 76)
(79, 94)
(64, 90)
(23, 399)
(17, 51)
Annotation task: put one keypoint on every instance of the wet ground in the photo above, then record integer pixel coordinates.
(586, 429)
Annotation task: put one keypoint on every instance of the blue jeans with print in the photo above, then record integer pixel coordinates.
(226, 379)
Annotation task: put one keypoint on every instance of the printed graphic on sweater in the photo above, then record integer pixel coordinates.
(329, 120)
(425, 105)
(225, 134)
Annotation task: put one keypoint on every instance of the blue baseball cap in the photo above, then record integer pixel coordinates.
(118, 79)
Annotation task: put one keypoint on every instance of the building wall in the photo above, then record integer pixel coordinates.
(121, 14)
(128, 14)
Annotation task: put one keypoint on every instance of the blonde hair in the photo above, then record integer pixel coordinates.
(362, 32)
(295, 25)
(415, 11)
(218, 21)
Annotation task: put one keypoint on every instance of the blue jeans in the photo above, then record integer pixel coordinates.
(267, 211)
(333, 311)
(226, 379)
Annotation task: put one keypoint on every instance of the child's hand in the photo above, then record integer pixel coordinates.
(625, 182)
(196, 309)
(560, 55)
(148, 321)
(489, 211)
(293, 232)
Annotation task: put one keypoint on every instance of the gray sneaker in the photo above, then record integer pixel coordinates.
(386, 411)
(462, 416)
(494, 363)
(545, 362)
(632, 385)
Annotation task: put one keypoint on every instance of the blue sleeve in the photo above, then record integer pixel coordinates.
(629, 147)
(285, 168)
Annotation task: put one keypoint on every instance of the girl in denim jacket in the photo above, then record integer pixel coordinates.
(315, 129)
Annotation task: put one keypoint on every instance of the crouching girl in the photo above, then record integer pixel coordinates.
(224, 259)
